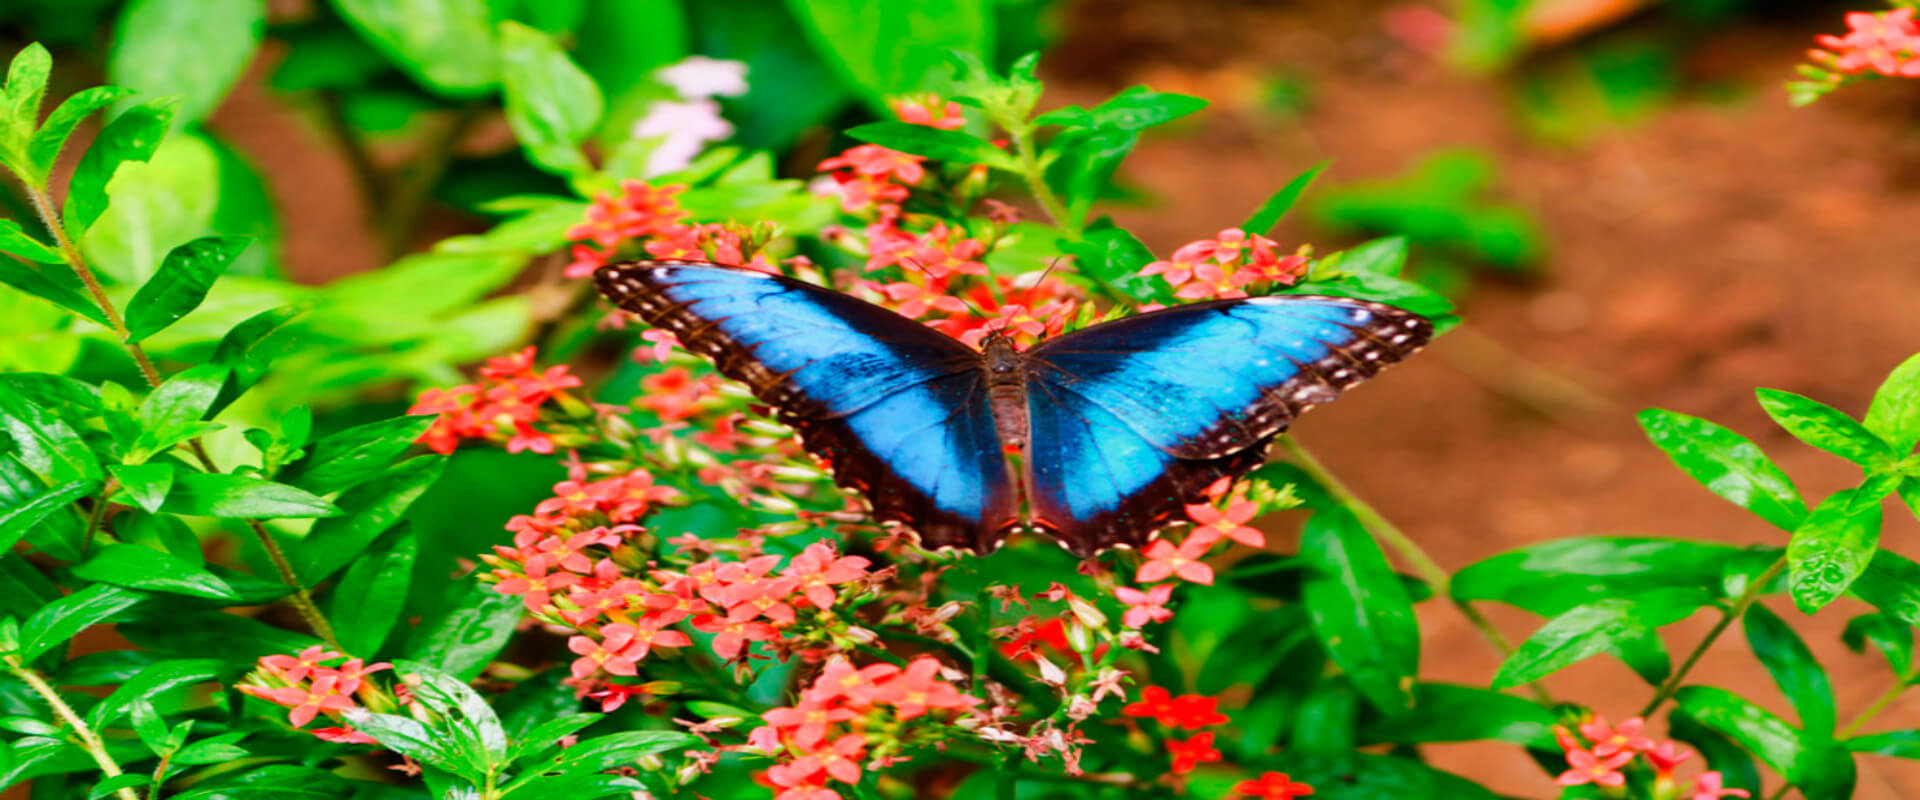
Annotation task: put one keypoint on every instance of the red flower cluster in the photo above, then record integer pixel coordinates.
(1225, 266)
(853, 716)
(564, 542)
(1187, 712)
(1273, 786)
(928, 110)
(639, 212)
(1887, 43)
(1608, 749)
(303, 684)
(504, 407)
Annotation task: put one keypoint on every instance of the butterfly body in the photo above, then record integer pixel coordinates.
(1114, 428)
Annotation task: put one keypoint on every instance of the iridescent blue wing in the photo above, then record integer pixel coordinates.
(1132, 419)
(898, 410)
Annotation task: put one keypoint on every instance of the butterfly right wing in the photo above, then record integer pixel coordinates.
(898, 410)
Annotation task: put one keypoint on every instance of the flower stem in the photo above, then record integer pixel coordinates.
(1036, 178)
(49, 216)
(1391, 535)
(1878, 705)
(1739, 608)
(89, 740)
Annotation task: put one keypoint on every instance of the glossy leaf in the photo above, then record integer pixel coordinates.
(134, 135)
(1755, 728)
(1553, 577)
(410, 738)
(1830, 549)
(60, 620)
(1447, 713)
(20, 99)
(193, 49)
(1825, 427)
(137, 567)
(45, 443)
(271, 782)
(463, 711)
(1888, 634)
(1276, 207)
(49, 285)
(1898, 744)
(17, 519)
(1734, 764)
(1360, 612)
(143, 485)
(549, 733)
(149, 683)
(1727, 463)
(1895, 412)
(367, 511)
(466, 636)
(1793, 668)
(173, 413)
(16, 241)
(1620, 625)
(618, 750)
(242, 351)
(44, 149)
(1324, 722)
(368, 600)
(957, 147)
(185, 276)
(552, 105)
(1891, 583)
(210, 495)
(447, 45)
(355, 455)
(1114, 256)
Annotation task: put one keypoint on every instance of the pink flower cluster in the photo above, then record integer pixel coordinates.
(1887, 43)
(309, 688)
(852, 718)
(1607, 749)
(1224, 267)
(1212, 524)
(503, 407)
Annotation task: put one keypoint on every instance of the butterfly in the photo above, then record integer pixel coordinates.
(1099, 437)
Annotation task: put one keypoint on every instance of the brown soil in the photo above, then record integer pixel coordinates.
(1709, 250)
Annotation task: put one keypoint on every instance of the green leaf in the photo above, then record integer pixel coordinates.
(1722, 754)
(239, 496)
(50, 285)
(367, 511)
(137, 567)
(957, 147)
(1898, 744)
(464, 713)
(1359, 609)
(20, 103)
(168, 201)
(17, 519)
(194, 49)
(143, 485)
(619, 750)
(887, 48)
(1891, 583)
(368, 600)
(15, 240)
(1830, 549)
(1894, 414)
(1793, 668)
(552, 105)
(117, 783)
(1623, 626)
(149, 683)
(1114, 257)
(1383, 256)
(271, 782)
(462, 640)
(241, 350)
(134, 135)
(410, 738)
(58, 621)
(1892, 637)
(1277, 206)
(235, 640)
(355, 455)
(1728, 464)
(173, 412)
(44, 149)
(182, 283)
(1324, 722)
(1448, 713)
(548, 733)
(45, 443)
(1755, 728)
(1553, 577)
(1825, 427)
(447, 45)
(1381, 288)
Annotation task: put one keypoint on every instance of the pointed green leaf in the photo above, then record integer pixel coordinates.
(466, 714)
(1793, 668)
(52, 137)
(1277, 206)
(1755, 728)
(618, 750)
(1447, 713)
(1360, 610)
(552, 105)
(143, 485)
(151, 681)
(194, 49)
(271, 782)
(1624, 626)
(17, 519)
(61, 619)
(956, 147)
(1727, 463)
(239, 496)
(1895, 412)
(367, 511)
(465, 637)
(1552, 577)
(1892, 637)
(182, 282)
(368, 600)
(1734, 764)
(61, 291)
(885, 48)
(1898, 744)
(15, 240)
(455, 56)
(406, 736)
(20, 101)
(1891, 583)
(352, 456)
(45, 443)
(1830, 549)
(1825, 427)
(134, 135)
(137, 567)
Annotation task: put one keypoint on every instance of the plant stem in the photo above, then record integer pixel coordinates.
(1036, 179)
(1737, 610)
(98, 513)
(1391, 536)
(302, 599)
(89, 740)
(1878, 705)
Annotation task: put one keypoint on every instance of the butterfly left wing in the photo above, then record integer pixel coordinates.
(1132, 419)
(898, 410)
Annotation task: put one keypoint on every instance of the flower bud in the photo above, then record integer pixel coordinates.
(1079, 637)
(1086, 613)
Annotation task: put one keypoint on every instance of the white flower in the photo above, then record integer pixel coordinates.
(684, 128)
(699, 77)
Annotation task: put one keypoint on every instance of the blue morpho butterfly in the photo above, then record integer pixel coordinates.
(1120, 424)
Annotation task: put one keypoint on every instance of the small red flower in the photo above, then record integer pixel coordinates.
(1585, 767)
(1195, 711)
(875, 161)
(1887, 43)
(1608, 740)
(1154, 703)
(1192, 753)
(1273, 786)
